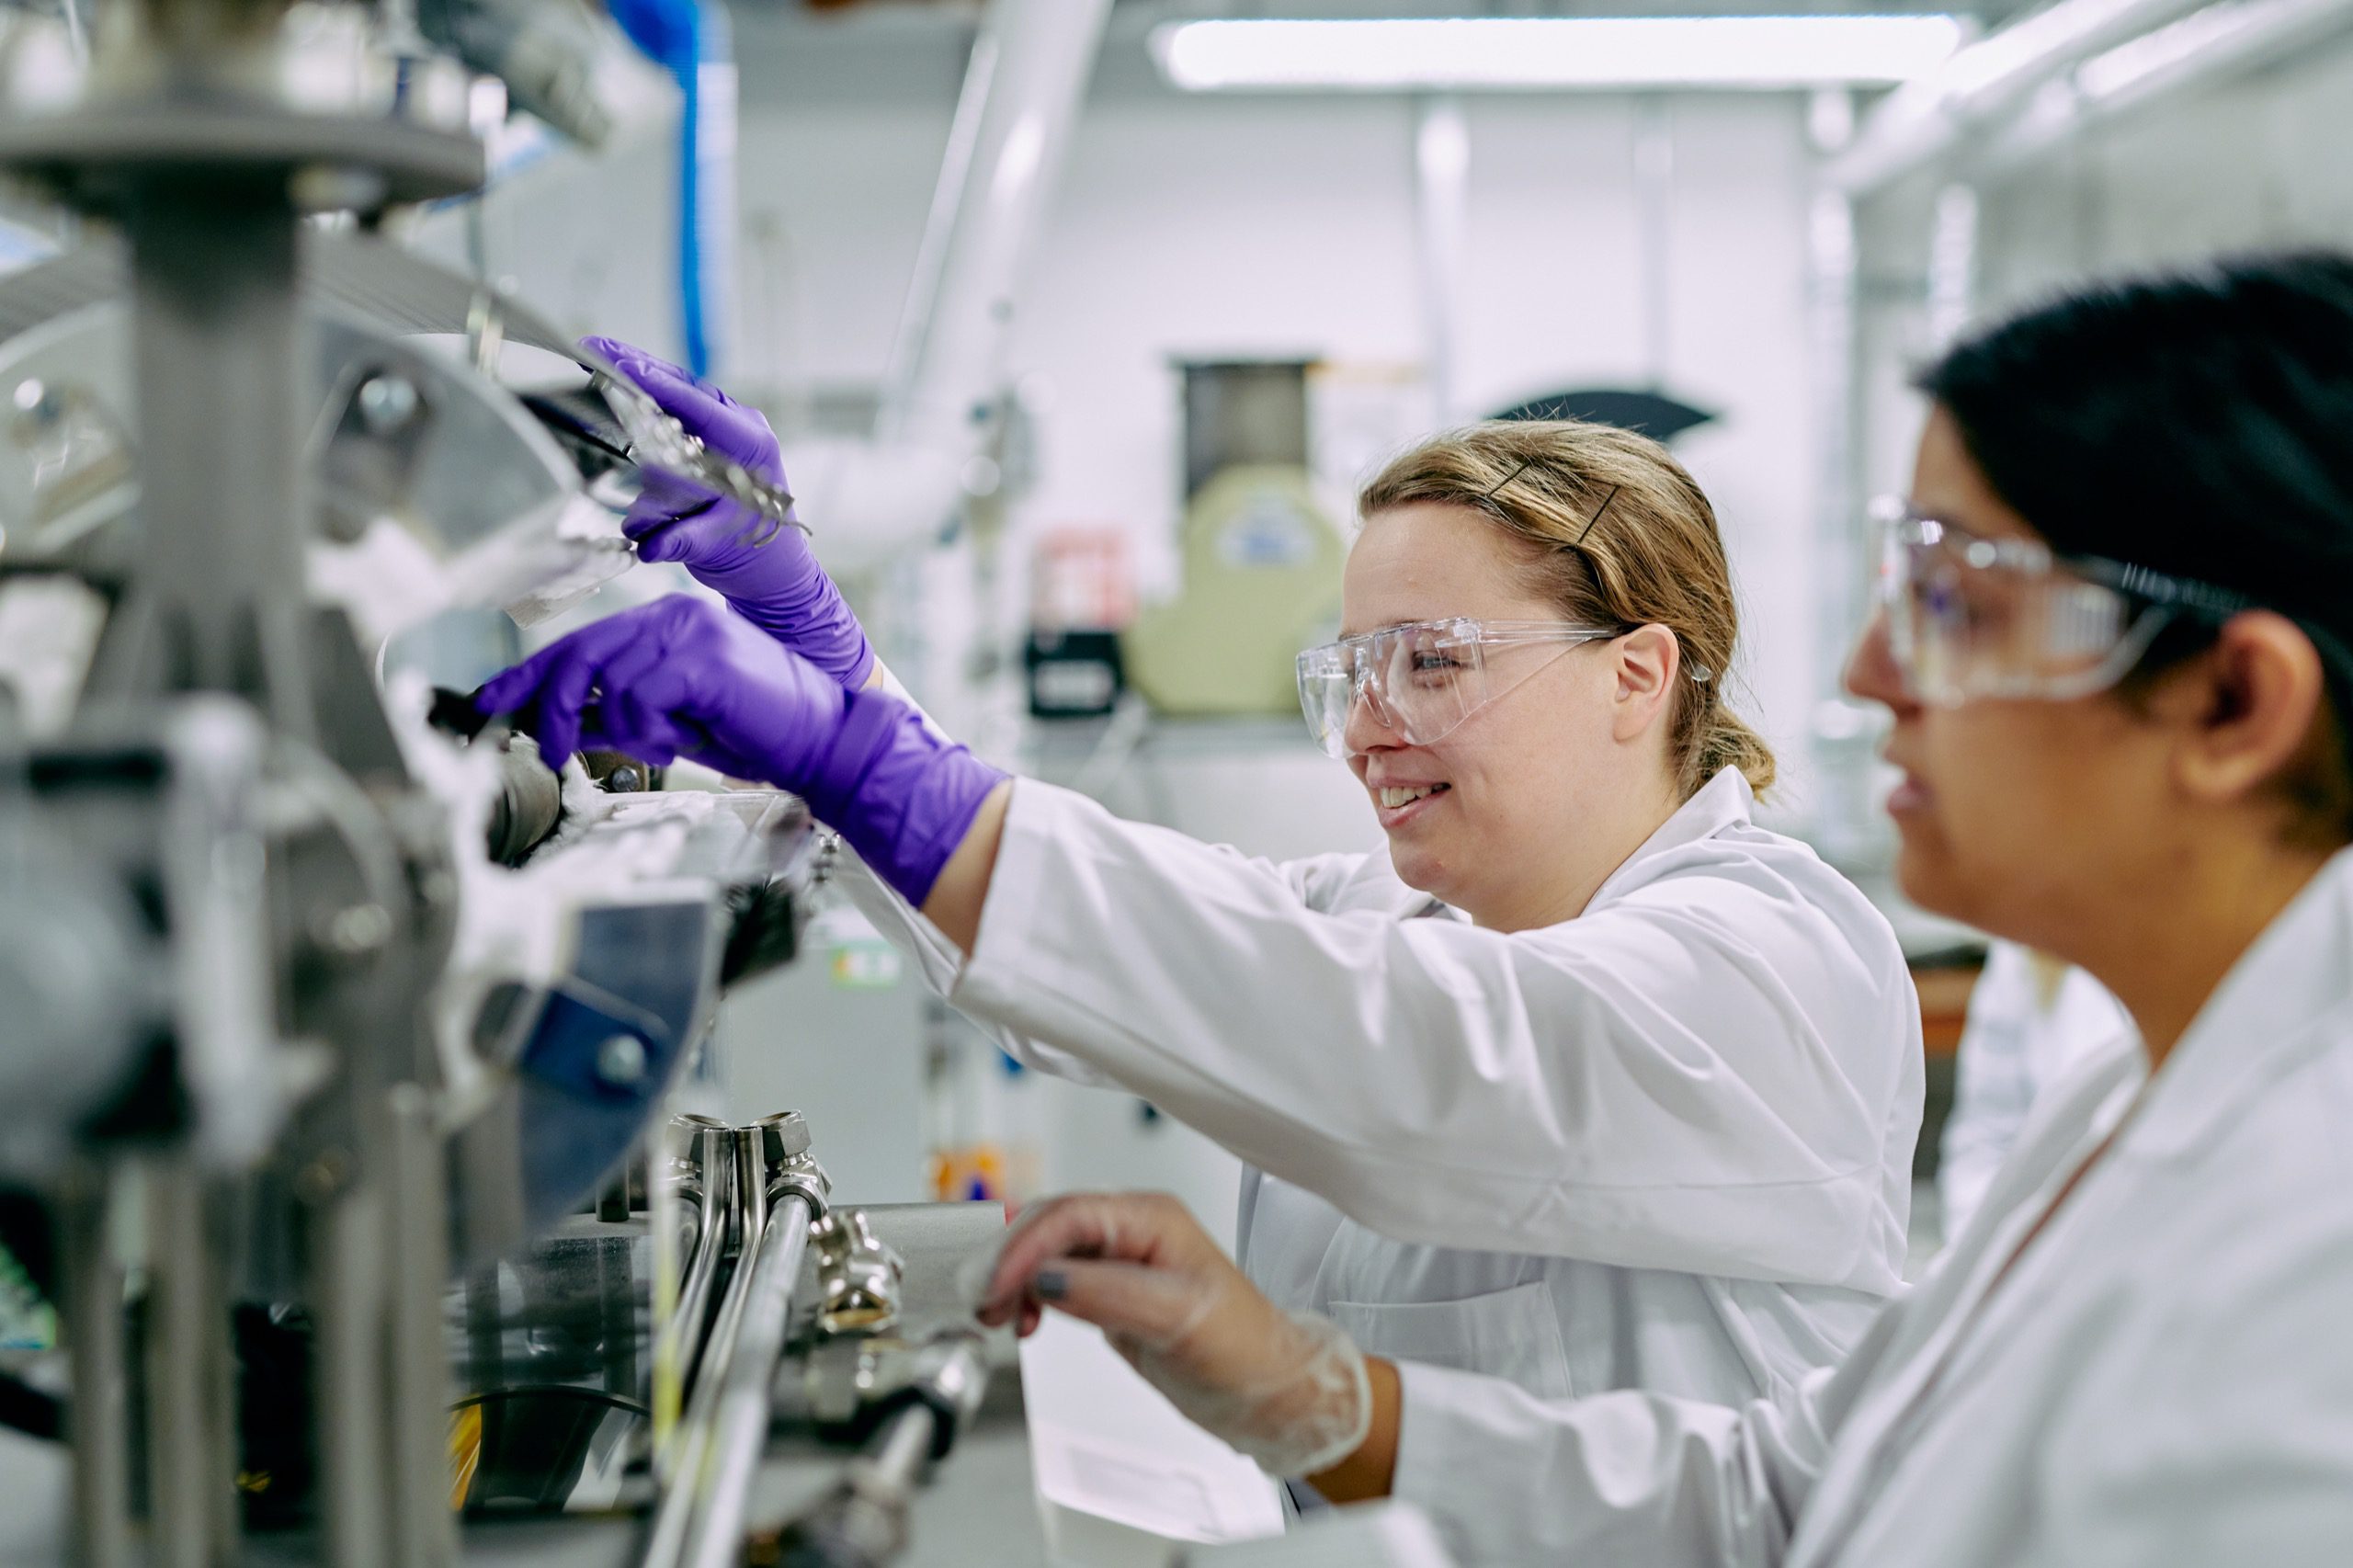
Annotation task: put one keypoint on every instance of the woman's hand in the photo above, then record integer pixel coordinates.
(1288, 1390)
(683, 677)
(777, 585)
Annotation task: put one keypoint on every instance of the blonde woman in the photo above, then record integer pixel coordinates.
(1585, 1081)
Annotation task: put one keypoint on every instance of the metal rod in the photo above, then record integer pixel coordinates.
(95, 1420)
(418, 1400)
(900, 1452)
(347, 1385)
(191, 1452)
(746, 1388)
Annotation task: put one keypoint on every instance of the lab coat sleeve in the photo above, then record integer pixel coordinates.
(1696, 1077)
(939, 960)
(1624, 1478)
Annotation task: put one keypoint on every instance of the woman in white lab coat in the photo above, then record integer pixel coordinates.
(2118, 648)
(1585, 1082)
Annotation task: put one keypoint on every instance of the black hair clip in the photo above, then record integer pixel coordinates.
(1596, 516)
(1489, 494)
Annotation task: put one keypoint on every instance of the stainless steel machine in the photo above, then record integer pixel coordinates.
(339, 1043)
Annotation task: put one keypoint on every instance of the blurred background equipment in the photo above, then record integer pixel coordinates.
(340, 1166)
(1261, 558)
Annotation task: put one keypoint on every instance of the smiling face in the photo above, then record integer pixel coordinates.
(1524, 808)
(2019, 816)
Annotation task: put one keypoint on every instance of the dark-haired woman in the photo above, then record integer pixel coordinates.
(2116, 647)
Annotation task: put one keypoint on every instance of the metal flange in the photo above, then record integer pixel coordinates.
(97, 156)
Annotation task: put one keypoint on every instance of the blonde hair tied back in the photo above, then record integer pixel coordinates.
(1615, 533)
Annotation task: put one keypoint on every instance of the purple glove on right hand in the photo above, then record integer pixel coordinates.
(778, 586)
(680, 678)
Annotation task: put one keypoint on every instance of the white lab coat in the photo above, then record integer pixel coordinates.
(2165, 1378)
(1666, 1144)
(2032, 1019)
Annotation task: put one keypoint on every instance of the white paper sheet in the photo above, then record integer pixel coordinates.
(1107, 1450)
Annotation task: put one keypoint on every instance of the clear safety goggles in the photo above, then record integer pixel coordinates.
(2006, 618)
(1421, 681)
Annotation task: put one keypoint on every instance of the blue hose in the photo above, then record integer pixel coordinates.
(690, 38)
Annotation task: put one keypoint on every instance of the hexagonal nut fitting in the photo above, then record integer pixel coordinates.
(684, 1142)
(783, 1136)
(805, 1178)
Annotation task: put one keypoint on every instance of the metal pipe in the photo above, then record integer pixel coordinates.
(1441, 233)
(716, 1230)
(700, 1158)
(1653, 177)
(748, 1203)
(1013, 125)
(694, 1291)
(940, 227)
(2234, 38)
(876, 495)
(1926, 119)
(745, 1392)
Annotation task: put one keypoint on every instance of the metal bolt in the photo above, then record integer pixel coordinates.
(625, 780)
(620, 1061)
(387, 402)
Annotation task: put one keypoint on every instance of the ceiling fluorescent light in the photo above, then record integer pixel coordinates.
(1554, 52)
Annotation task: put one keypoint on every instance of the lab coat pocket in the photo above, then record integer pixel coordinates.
(1513, 1334)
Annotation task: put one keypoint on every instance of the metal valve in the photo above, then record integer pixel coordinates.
(859, 1274)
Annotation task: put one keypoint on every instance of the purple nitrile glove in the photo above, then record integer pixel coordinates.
(777, 585)
(681, 677)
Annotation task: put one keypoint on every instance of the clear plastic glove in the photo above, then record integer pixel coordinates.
(777, 585)
(682, 678)
(1287, 1388)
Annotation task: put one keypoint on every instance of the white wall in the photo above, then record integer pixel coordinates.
(1192, 227)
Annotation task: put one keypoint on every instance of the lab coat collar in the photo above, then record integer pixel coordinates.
(1721, 802)
(2272, 1011)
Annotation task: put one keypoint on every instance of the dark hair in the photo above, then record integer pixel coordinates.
(2196, 423)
